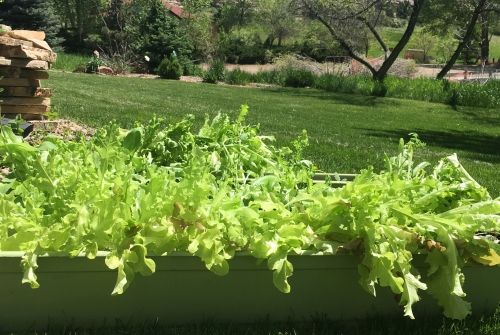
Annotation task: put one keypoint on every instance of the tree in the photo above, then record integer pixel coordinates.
(317, 43)
(157, 34)
(425, 41)
(460, 18)
(235, 13)
(79, 19)
(339, 17)
(278, 17)
(32, 15)
(115, 40)
(445, 47)
(203, 34)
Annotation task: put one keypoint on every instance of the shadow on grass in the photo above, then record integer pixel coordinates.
(339, 98)
(480, 146)
(484, 116)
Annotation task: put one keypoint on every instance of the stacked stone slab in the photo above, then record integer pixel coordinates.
(24, 57)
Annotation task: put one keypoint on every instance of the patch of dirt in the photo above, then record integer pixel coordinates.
(191, 79)
(138, 75)
(66, 129)
(251, 68)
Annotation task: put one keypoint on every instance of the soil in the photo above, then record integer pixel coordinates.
(68, 130)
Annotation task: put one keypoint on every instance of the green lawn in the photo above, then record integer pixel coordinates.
(495, 48)
(474, 325)
(391, 37)
(347, 133)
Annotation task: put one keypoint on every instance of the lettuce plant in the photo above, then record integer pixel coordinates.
(157, 189)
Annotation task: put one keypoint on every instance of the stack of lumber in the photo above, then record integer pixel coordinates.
(24, 55)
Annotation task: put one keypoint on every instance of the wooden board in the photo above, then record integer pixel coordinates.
(25, 63)
(10, 72)
(12, 41)
(23, 51)
(36, 109)
(26, 91)
(20, 82)
(22, 101)
(33, 74)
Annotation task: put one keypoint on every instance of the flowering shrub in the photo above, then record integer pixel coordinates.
(94, 62)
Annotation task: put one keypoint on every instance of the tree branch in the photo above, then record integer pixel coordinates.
(376, 34)
(461, 45)
(382, 72)
(341, 41)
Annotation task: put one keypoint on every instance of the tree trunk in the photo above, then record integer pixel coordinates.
(341, 41)
(485, 39)
(384, 69)
(461, 45)
(242, 16)
(69, 14)
(382, 72)
(79, 19)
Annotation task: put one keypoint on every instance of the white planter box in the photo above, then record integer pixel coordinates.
(78, 291)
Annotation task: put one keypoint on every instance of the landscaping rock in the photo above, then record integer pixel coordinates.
(40, 44)
(5, 28)
(27, 34)
(105, 70)
(22, 54)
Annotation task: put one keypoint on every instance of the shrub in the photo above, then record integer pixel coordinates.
(299, 78)
(241, 46)
(216, 72)
(190, 68)
(170, 68)
(238, 77)
(94, 62)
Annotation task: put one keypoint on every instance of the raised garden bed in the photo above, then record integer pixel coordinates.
(227, 197)
(182, 291)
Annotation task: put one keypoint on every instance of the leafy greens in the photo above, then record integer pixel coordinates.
(158, 188)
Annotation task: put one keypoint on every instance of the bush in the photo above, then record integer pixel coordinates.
(94, 63)
(241, 46)
(170, 68)
(299, 78)
(190, 68)
(238, 77)
(216, 72)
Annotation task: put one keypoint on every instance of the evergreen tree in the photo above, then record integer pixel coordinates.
(32, 15)
(158, 35)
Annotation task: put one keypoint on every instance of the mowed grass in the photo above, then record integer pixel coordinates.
(347, 133)
(472, 325)
(391, 37)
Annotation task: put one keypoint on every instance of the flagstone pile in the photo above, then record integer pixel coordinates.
(24, 59)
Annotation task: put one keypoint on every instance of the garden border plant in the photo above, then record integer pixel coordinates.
(472, 94)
